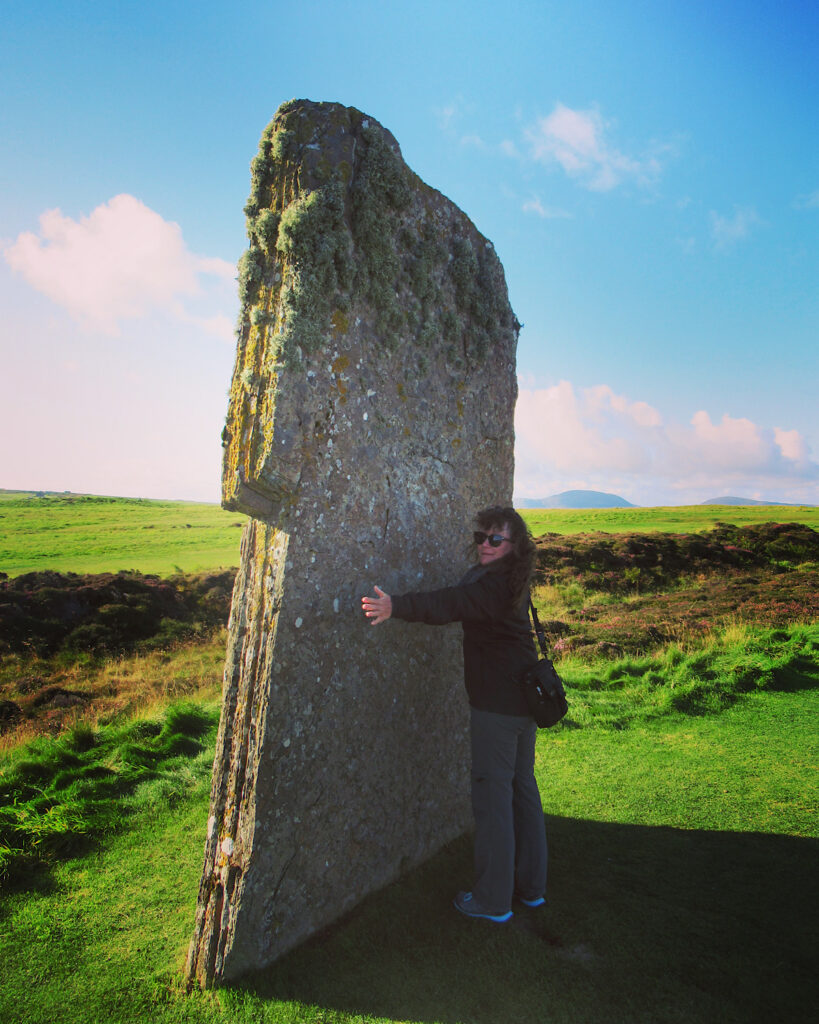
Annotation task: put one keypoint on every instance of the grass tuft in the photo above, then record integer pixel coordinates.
(187, 719)
(707, 679)
(59, 795)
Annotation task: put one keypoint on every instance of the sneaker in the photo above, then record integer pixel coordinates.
(538, 901)
(467, 904)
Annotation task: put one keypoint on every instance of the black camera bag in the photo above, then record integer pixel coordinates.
(542, 686)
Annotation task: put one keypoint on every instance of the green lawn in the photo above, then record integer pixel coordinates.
(88, 534)
(680, 793)
(91, 534)
(682, 888)
(671, 519)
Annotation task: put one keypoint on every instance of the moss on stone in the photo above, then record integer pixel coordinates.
(251, 269)
(313, 245)
(266, 230)
(380, 191)
(324, 229)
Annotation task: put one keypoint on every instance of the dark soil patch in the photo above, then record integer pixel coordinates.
(49, 612)
(634, 563)
(679, 585)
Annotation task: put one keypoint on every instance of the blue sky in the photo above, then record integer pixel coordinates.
(647, 171)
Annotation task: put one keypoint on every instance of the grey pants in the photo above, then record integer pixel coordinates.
(510, 833)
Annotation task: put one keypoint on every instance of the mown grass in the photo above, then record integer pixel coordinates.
(92, 534)
(668, 519)
(57, 793)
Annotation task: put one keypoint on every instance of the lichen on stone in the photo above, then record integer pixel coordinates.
(330, 219)
(313, 247)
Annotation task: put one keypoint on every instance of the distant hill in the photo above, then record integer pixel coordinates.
(747, 501)
(577, 499)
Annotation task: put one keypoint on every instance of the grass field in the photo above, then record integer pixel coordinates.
(680, 793)
(81, 533)
(671, 519)
(682, 889)
(87, 533)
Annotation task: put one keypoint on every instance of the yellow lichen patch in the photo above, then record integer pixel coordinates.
(456, 442)
(460, 405)
(401, 393)
(265, 429)
(340, 364)
(342, 390)
(340, 322)
(230, 468)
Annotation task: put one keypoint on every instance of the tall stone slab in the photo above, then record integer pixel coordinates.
(370, 416)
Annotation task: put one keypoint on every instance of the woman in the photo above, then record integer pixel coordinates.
(492, 603)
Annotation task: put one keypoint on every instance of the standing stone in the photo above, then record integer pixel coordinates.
(370, 417)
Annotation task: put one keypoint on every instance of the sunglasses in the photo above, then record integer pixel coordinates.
(495, 539)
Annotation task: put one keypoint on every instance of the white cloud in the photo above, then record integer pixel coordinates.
(793, 446)
(808, 202)
(602, 399)
(577, 141)
(595, 438)
(220, 326)
(731, 444)
(122, 262)
(727, 231)
(446, 115)
(534, 205)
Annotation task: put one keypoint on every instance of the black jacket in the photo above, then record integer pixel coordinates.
(498, 641)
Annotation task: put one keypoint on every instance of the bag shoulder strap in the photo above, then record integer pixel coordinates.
(541, 636)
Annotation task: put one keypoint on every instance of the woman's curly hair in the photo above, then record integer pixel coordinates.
(522, 555)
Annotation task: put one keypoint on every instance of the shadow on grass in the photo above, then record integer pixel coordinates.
(643, 924)
(30, 876)
(801, 673)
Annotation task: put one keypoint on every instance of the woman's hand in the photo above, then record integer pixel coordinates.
(379, 608)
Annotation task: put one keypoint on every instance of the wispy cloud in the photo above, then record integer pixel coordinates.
(578, 141)
(599, 439)
(446, 116)
(534, 205)
(450, 119)
(808, 202)
(122, 262)
(727, 231)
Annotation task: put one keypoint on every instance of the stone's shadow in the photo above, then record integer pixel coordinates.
(643, 924)
(31, 877)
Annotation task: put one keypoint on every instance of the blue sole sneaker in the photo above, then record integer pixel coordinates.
(538, 901)
(469, 906)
